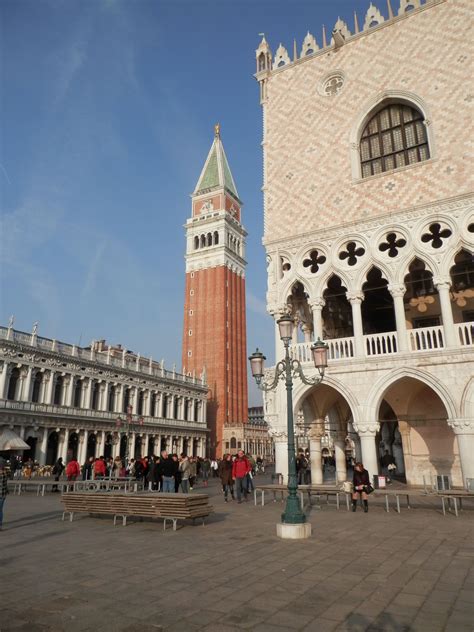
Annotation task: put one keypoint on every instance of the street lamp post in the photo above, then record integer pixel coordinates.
(288, 369)
(130, 427)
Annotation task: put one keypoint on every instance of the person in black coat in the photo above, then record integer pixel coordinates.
(361, 482)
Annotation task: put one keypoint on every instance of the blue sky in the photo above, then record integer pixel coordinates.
(107, 113)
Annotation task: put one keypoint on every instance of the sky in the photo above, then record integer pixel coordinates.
(107, 113)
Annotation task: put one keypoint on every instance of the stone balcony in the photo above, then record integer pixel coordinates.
(425, 339)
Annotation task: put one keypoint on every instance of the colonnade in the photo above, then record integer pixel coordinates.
(79, 391)
(71, 441)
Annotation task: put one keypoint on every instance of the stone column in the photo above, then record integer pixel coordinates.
(26, 392)
(443, 286)
(43, 447)
(4, 380)
(64, 445)
(147, 404)
(340, 452)
(116, 447)
(134, 392)
(132, 439)
(82, 448)
(464, 431)
(145, 441)
(281, 453)
(316, 461)
(70, 394)
(367, 432)
(104, 395)
(87, 399)
(119, 395)
(397, 292)
(355, 299)
(100, 443)
(50, 389)
(317, 308)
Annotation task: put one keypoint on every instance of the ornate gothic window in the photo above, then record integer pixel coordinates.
(394, 137)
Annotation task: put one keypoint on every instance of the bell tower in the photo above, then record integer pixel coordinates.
(214, 334)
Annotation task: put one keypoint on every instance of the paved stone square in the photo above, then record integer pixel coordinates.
(376, 571)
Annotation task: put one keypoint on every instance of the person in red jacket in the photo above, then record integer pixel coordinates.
(240, 469)
(73, 469)
(99, 468)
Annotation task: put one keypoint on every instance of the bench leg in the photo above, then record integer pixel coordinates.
(456, 507)
(444, 508)
(255, 497)
(398, 503)
(408, 502)
(386, 503)
(337, 501)
(348, 505)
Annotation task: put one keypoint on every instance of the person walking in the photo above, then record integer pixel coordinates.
(88, 469)
(240, 468)
(185, 470)
(3, 488)
(362, 487)
(388, 465)
(193, 473)
(225, 473)
(58, 469)
(100, 469)
(73, 470)
(205, 469)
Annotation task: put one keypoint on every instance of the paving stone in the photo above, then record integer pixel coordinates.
(406, 572)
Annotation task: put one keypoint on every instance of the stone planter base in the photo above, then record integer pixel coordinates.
(293, 531)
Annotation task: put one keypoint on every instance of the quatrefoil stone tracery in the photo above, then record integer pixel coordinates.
(352, 253)
(436, 235)
(333, 85)
(392, 244)
(314, 261)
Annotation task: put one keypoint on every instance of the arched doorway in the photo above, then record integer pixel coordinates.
(12, 392)
(73, 446)
(91, 446)
(326, 415)
(31, 453)
(123, 446)
(426, 443)
(151, 446)
(337, 311)
(109, 444)
(52, 448)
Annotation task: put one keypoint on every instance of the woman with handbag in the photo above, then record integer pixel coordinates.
(362, 487)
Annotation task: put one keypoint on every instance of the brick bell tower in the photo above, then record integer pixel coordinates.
(214, 336)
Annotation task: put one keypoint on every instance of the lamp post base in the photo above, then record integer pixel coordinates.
(293, 531)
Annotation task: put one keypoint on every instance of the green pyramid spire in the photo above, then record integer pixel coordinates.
(216, 173)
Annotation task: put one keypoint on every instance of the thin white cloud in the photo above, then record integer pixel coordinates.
(256, 305)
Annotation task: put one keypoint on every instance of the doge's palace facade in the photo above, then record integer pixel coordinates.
(65, 400)
(369, 234)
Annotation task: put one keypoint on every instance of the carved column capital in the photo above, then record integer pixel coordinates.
(367, 429)
(461, 426)
(355, 297)
(397, 289)
(317, 303)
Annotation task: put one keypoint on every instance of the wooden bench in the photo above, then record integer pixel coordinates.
(171, 507)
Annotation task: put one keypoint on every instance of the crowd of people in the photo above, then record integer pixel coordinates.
(169, 472)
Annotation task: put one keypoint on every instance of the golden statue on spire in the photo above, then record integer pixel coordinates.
(217, 130)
